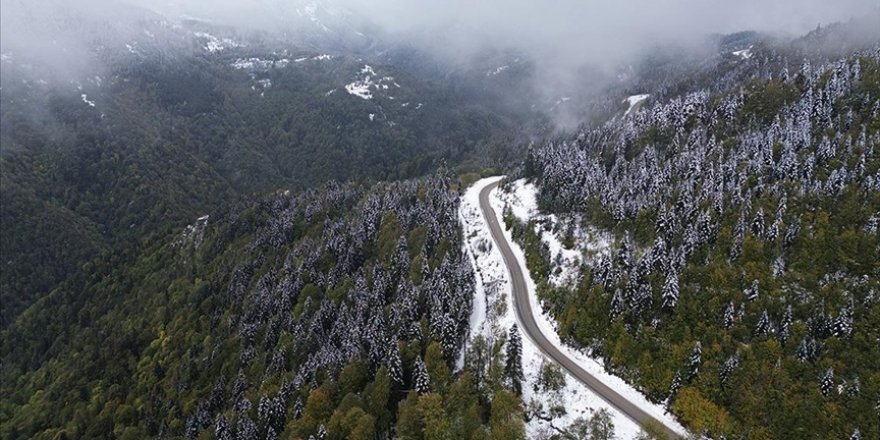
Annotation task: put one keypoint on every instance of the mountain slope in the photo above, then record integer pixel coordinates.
(742, 286)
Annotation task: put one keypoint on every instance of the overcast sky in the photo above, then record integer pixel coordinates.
(592, 28)
(578, 29)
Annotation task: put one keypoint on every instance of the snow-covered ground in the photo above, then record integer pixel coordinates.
(565, 261)
(497, 70)
(493, 315)
(633, 101)
(744, 54)
(257, 64)
(214, 44)
(364, 87)
(85, 99)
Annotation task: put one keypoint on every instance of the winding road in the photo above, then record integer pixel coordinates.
(527, 319)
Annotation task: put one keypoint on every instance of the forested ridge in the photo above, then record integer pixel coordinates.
(741, 290)
(173, 137)
(296, 315)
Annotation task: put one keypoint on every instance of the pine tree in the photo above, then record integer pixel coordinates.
(675, 385)
(695, 361)
(758, 224)
(246, 430)
(808, 350)
(727, 320)
(271, 434)
(727, 369)
(222, 431)
(625, 253)
(826, 382)
(395, 366)
(763, 325)
(785, 325)
(670, 291)
(421, 381)
(617, 303)
(513, 368)
(853, 387)
(843, 325)
(752, 292)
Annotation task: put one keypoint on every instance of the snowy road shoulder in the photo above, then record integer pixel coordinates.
(550, 410)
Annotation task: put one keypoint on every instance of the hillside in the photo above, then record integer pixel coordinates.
(740, 290)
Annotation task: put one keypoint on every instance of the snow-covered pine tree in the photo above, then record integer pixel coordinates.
(222, 431)
(758, 224)
(738, 238)
(727, 369)
(826, 381)
(695, 360)
(625, 253)
(729, 311)
(808, 350)
(513, 367)
(763, 325)
(785, 325)
(246, 429)
(617, 303)
(843, 325)
(421, 381)
(670, 291)
(298, 408)
(856, 435)
(395, 366)
(752, 292)
(853, 387)
(675, 385)
(271, 434)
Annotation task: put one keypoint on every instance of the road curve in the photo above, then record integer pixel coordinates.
(523, 308)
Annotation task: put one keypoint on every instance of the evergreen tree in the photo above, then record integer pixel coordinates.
(670, 291)
(785, 325)
(695, 360)
(617, 303)
(421, 381)
(853, 388)
(601, 427)
(727, 320)
(826, 382)
(727, 369)
(222, 431)
(843, 325)
(763, 325)
(513, 368)
(752, 292)
(395, 366)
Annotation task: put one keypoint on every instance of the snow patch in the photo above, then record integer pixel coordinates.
(255, 64)
(85, 99)
(214, 44)
(744, 53)
(364, 87)
(633, 101)
(497, 70)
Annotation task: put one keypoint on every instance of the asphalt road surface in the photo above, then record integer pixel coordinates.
(527, 319)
